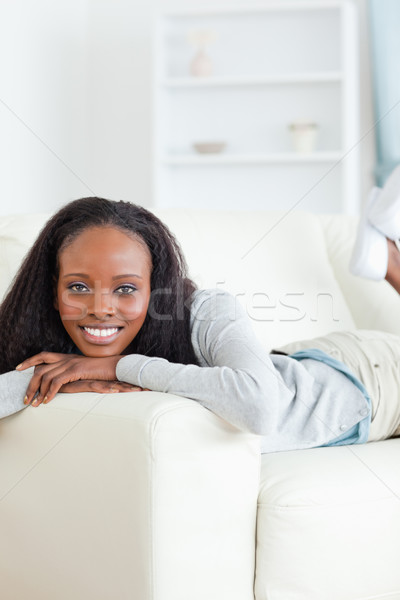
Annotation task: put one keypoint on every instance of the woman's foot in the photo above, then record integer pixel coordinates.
(393, 271)
(370, 254)
(379, 223)
(384, 214)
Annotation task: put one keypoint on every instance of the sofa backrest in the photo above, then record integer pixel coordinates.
(290, 271)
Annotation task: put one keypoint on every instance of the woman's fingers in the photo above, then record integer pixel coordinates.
(97, 385)
(90, 385)
(52, 381)
(50, 374)
(42, 357)
(33, 389)
(46, 381)
(121, 386)
(54, 371)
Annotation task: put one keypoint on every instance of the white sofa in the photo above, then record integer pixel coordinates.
(152, 497)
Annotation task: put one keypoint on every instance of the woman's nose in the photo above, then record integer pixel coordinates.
(102, 303)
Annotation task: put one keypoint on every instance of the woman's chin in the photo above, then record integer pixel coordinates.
(98, 351)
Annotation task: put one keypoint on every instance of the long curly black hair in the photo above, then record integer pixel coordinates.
(29, 323)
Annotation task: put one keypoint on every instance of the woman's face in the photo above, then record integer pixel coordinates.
(103, 290)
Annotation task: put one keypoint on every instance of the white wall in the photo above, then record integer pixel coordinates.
(120, 74)
(43, 95)
(367, 129)
(76, 100)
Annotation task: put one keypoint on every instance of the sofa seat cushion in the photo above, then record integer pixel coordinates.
(328, 524)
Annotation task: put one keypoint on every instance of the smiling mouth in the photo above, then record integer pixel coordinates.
(100, 336)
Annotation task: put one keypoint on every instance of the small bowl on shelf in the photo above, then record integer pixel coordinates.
(209, 147)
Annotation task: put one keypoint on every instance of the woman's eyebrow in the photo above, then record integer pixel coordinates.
(86, 276)
(126, 275)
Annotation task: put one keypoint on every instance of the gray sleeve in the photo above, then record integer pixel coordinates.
(238, 381)
(13, 387)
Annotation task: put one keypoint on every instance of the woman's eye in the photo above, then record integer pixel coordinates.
(78, 287)
(126, 289)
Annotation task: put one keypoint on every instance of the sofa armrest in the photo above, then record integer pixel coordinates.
(136, 495)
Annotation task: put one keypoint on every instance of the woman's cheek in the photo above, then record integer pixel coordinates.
(131, 308)
(71, 308)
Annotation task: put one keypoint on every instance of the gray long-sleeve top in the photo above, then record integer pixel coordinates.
(291, 404)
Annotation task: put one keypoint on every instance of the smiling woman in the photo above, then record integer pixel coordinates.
(91, 274)
(103, 303)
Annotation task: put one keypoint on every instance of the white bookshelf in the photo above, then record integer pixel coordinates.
(272, 64)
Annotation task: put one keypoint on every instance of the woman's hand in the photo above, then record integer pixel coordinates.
(54, 371)
(96, 385)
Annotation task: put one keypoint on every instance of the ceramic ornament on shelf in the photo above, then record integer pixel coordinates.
(201, 65)
(304, 136)
(211, 147)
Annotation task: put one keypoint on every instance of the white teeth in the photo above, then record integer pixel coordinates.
(101, 332)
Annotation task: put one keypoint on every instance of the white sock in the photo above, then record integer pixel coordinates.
(370, 254)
